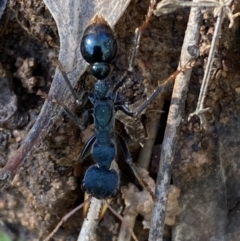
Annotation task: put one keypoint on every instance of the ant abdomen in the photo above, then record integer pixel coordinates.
(100, 182)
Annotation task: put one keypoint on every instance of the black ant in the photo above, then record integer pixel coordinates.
(99, 48)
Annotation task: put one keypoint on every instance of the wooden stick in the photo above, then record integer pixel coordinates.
(171, 132)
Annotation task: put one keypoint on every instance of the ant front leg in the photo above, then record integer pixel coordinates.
(82, 124)
(138, 34)
(67, 81)
(137, 37)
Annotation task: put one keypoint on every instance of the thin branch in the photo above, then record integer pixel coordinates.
(66, 217)
(145, 153)
(138, 33)
(124, 234)
(171, 132)
(200, 110)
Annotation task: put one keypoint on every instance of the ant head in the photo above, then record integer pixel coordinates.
(98, 43)
(99, 47)
(100, 182)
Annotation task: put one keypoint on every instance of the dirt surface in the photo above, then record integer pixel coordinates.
(48, 184)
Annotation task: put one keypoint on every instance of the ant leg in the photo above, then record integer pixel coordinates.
(80, 101)
(138, 33)
(85, 118)
(86, 115)
(120, 82)
(128, 112)
(67, 81)
(124, 222)
(86, 150)
(137, 37)
(132, 165)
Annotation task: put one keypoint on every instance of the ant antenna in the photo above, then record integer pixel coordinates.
(67, 81)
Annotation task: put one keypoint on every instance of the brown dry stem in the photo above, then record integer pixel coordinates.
(219, 11)
(171, 132)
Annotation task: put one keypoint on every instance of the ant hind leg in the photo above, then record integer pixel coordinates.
(132, 165)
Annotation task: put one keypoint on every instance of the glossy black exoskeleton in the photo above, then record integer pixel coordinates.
(99, 48)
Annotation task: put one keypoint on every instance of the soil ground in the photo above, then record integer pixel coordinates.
(205, 168)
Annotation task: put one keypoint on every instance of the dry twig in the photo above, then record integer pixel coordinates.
(91, 221)
(173, 123)
(219, 11)
(66, 217)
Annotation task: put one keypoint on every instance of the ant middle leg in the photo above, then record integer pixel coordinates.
(128, 112)
(81, 100)
(87, 148)
(82, 124)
